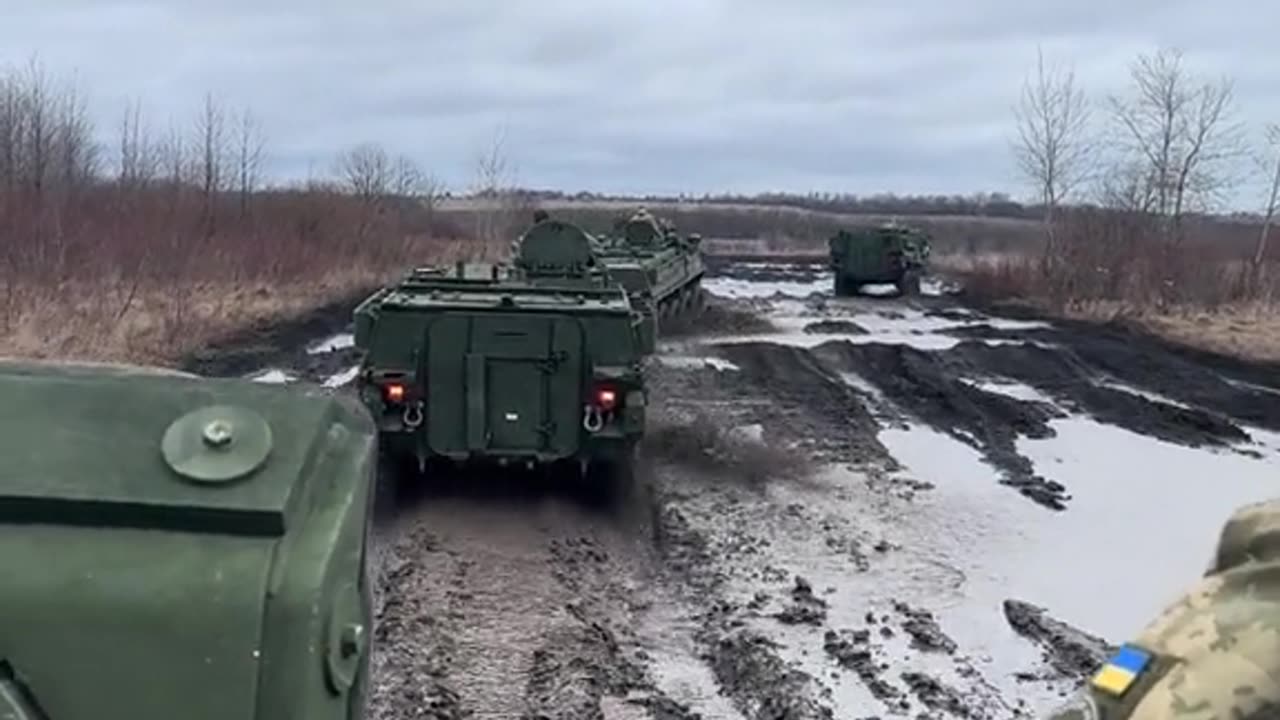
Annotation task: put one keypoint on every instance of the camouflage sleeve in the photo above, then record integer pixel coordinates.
(1212, 655)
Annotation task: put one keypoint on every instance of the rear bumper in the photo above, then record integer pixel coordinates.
(608, 444)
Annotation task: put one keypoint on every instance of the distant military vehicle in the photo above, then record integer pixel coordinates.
(660, 269)
(882, 255)
(537, 363)
(178, 547)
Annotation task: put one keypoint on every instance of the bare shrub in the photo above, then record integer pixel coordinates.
(1053, 149)
(179, 242)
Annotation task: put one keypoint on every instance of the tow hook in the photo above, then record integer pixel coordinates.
(412, 416)
(592, 419)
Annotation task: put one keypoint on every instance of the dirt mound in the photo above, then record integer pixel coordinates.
(748, 668)
(834, 327)
(928, 387)
(1215, 383)
(1073, 381)
(1072, 653)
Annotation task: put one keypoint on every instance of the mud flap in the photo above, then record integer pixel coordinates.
(477, 405)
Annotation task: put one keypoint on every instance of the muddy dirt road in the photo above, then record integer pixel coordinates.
(850, 508)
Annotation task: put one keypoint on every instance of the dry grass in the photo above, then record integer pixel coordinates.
(1217, 313)
(1248, 330)
(83, 321)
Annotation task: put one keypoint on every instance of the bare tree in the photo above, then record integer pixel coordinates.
(498, 201)
(1181, 129)
(38, 136)
(75, 151)
(131, 145)
(367, 171)
(211, 139)
(1053, 148)
(173, 156)
(1273, 198)
(250, 148)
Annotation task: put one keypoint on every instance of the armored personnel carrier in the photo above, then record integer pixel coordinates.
(887, 254)
(533, 364)
(661, 270)
(178, 547)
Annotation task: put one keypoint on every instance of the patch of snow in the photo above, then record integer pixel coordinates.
(796, 338)
(738, 288)
(689, 361)
(1250, 386)
(341, 341)
(748, 433)
(343, 378)
(907, 319)
(879, 290)
(1147, 394)
(936, 287)
(273, 376)
(1015, 390)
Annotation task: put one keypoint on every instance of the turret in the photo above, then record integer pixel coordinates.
(557, 249)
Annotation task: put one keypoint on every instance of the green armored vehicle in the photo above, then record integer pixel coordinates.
(176, 547)
(661, 270)
(535, 364)
(883, 255)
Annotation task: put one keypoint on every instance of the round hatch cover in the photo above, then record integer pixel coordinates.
(217, 444)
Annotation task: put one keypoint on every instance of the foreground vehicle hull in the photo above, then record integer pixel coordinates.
(176, 547)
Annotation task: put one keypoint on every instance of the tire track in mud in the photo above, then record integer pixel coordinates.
(515, 606)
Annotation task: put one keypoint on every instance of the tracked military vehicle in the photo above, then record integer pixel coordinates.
(178, 547)
(661, 270)
(534, 364)
(889, 254)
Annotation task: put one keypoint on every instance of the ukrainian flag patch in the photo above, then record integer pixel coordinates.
(1119, 673)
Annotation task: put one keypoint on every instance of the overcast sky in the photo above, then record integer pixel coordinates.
(637, 95)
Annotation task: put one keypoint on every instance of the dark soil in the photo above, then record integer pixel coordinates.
(1134, 357)
(715, 319)
(1070, 652)
(805, 402)
(834, 327)
(279, 342)
(1071, 379)
(926, 385)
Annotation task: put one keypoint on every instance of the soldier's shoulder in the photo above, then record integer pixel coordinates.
(1215, 652)
(1252, 533)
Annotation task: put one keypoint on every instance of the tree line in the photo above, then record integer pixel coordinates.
(1123, 180)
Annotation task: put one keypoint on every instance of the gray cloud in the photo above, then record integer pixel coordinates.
(636, 95)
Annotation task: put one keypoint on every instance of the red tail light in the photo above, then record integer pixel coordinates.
(606, 398)
(394, 392)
